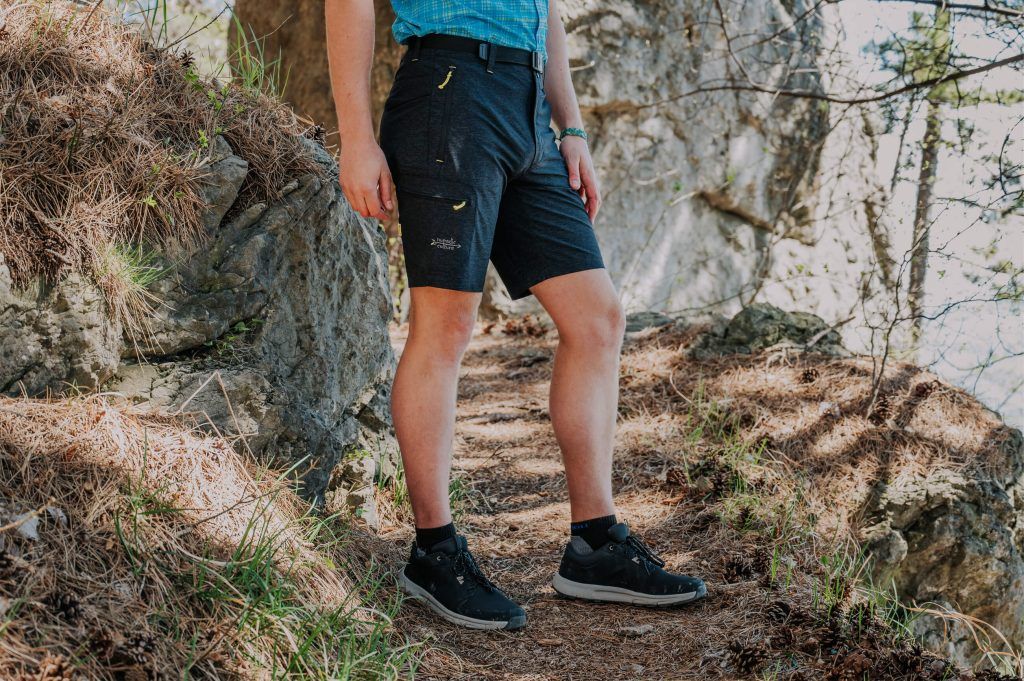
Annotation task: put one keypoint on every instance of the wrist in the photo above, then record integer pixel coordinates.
(357, 139)
(573, 131)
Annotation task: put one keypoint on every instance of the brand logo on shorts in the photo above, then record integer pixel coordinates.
(459, 206)
(446, 244)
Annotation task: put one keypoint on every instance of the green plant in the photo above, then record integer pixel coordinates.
(262, 587)
(250, 65)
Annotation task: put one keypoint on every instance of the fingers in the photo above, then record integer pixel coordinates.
(572, 164)
(592, 199)
(366, 200)
(386, 190)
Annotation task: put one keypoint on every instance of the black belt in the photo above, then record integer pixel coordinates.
(489, 52)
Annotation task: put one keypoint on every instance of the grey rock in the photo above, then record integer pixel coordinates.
(639, 321)
(954, 539)
(273, 332)
(761, 326)
(224, 176)
(55, 337)
(276, 331)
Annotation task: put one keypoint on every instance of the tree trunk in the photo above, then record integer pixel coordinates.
(294, 31)
(922, 220)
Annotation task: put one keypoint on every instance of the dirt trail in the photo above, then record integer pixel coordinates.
(516, 518)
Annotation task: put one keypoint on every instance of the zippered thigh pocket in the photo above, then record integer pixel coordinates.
(446, 88)
(443, 201)
(439, 237)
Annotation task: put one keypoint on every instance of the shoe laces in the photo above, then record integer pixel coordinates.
(466, 565)
(636, 546)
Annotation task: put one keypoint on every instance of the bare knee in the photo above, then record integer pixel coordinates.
(601, 331)
(443, 338)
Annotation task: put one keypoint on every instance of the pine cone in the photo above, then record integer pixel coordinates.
(809, 375)
(862, 617)
(737, 568)
(7, 564)
(923, 390)
(743, 518)
(317, 133)
(778, 611)
(851, 667)
(676, 477)
(138, 648)
(833, 633)
(746, 658)
(763, 559)
(186, 59)
(783, 638)
(64, 605)
(902, 662)
(882, 411)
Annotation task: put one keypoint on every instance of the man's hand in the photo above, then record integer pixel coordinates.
(582, 176)
(366, 179)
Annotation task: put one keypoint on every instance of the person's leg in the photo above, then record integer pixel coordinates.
(423, 396)
(585, 383)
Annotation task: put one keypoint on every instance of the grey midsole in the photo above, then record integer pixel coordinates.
(419, 593)
(614, 594)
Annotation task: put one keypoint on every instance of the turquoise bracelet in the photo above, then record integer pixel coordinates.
(573, 132)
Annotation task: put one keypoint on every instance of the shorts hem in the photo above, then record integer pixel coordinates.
(449, 287)
(524, 291)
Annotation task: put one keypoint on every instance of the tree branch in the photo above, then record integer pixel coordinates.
(967, 7)
(825, 97)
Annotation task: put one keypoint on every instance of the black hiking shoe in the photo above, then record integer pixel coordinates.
(622, 571)
(450, 582)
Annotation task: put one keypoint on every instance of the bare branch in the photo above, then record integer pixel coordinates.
(825, 97)
(985, 8)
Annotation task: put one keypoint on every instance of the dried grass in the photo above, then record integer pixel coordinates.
(160, 519)
(104, 138)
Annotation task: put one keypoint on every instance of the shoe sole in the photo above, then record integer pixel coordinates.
(614, 594)
(416, 592)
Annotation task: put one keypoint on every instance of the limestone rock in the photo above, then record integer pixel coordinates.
(273, 332)
(954, 540)
(639, 321)
(762, 326)
(55, 337)
(276, 330)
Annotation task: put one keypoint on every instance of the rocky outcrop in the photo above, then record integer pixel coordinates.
(954, 541)
(55, 337)
(762, 326)
(721, 197)
(947, 535)
(273, 332)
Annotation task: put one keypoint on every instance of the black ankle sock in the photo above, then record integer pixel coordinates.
(594, 531)
(427, 537)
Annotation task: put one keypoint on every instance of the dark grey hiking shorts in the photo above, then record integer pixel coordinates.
(479, 176)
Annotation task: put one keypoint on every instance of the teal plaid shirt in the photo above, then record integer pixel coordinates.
(513, 23)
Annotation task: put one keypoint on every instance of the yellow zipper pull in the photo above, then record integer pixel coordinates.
(451, 70)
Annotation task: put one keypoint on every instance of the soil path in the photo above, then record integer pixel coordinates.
(515, 514)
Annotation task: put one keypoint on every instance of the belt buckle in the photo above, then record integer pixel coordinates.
(537, 61)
